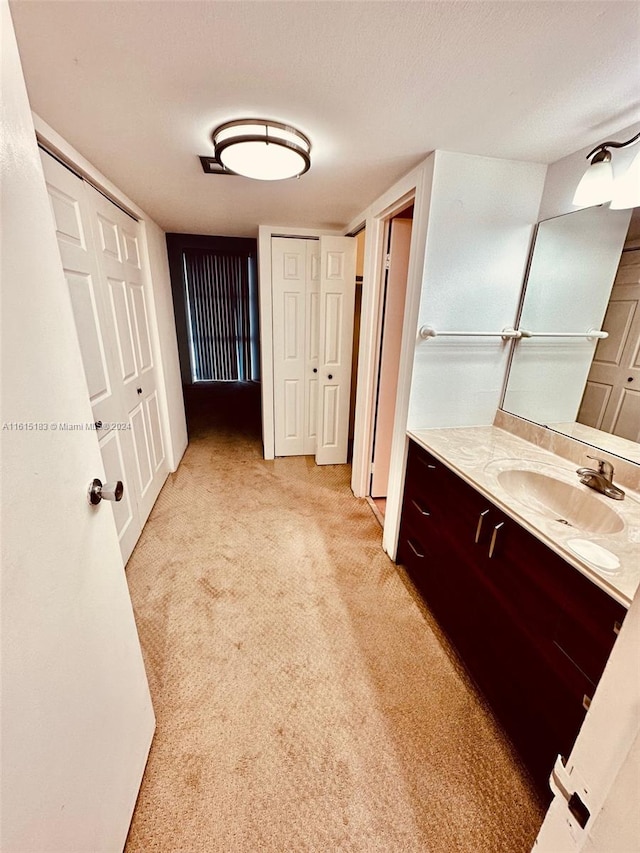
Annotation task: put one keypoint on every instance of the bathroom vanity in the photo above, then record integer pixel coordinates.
(503, 569)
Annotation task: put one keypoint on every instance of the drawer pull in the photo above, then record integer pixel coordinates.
(426, 464)
(586, 701)
(479, 527)
(414, 549)
(419, 508)
(494, 537)
(616, 627)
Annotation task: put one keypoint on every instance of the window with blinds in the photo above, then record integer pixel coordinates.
(219, 294)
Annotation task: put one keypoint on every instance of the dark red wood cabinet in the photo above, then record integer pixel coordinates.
(532, 631)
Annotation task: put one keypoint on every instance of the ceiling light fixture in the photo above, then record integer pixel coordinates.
(258, 148)
(597, 185)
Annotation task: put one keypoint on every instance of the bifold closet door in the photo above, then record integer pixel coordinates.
(391, 344)
(295, 270)
(100, 252)
(313, 291)
(611, 400)
(117, 240)
(337, 298)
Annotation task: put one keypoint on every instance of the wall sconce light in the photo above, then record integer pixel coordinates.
(598, 186)
(258, 148)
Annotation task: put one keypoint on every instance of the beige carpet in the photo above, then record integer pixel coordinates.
(304, 700)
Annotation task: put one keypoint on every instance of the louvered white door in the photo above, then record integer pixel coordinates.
(117, 242)
(337, 297)
(611, 400)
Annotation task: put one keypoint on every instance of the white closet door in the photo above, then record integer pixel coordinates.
(337, 296)
(288, 281)
(611, 400)
(100, 252)
(117, 237)
(396, 290)
(312, 347)
(72, 217)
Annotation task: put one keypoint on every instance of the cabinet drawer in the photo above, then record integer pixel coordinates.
(426, 476)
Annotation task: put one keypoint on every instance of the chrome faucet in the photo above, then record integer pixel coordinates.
(601, 479)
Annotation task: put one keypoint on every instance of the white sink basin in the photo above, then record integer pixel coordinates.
(569, 503)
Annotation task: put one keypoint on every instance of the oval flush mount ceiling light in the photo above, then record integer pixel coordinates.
(262, 149)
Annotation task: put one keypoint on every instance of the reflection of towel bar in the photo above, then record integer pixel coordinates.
(591, 335)
(427, 332)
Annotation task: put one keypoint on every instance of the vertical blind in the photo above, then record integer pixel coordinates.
(219, 315)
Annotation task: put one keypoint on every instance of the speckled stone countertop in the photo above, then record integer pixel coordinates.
(479, 454)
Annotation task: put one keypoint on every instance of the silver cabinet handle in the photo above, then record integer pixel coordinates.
(422, 511)
(494, 536)
(479, 527)
(426, 464)
(616, 627)
(414, 549)
(110, 491)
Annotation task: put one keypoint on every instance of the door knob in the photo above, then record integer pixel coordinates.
(315, 369)
(110, 491)
(139, 390)
(330, 376)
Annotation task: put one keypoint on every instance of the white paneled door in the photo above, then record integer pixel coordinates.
(337, 296)
(391, 344)
(100, 251)
(611, 399)
(289, 284)
(313, 289)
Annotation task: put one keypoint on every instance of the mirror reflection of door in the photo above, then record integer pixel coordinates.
(611, 400)
(393, 315)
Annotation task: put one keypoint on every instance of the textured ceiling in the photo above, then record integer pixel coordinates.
(137, 88)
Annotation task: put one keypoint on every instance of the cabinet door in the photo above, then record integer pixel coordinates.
(436, 523)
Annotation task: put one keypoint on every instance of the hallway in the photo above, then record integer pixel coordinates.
(304, 699)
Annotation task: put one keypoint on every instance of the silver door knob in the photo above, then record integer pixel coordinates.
(110, 491)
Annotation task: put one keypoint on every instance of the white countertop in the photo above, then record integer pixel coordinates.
(475, 454)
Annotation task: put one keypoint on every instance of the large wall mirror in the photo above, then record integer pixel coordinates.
(583, 274)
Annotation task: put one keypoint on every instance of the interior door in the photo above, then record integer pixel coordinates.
(117, 242)
(72, 217)
(312, 348)
(100, 251)
(77, 720)
(395, 293)
(289, 289)
(337, 296)
(611, 401)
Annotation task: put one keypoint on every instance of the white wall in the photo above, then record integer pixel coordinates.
(166, 353)
(480, 225)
